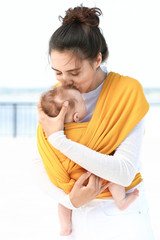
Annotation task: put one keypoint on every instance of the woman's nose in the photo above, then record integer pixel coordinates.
(66, 80)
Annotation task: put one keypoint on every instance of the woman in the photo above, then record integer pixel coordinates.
(116, 107)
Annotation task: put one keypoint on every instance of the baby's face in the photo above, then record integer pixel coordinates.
(76, 112)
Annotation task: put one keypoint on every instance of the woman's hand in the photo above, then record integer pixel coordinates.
(52, 124)
(81, 194)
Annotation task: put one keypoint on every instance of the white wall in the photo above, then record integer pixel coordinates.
(131, 29)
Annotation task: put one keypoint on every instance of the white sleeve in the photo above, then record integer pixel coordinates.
(40, 177)
(120, 168)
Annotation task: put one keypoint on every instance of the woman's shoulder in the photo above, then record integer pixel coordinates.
(126, 82)
(131, 82)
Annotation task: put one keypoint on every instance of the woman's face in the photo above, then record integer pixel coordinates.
(71, 70)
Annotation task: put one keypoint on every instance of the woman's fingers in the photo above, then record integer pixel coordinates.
(99, 184)
(51, 124)
(95, 183)
(81, 194)
(83, 178)
(63, 111)
(60, 118)
(104, 187)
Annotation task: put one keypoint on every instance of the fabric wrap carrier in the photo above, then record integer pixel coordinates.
(120, 107)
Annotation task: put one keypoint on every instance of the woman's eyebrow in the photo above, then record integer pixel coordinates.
(70, 70)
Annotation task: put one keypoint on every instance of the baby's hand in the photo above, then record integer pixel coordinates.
(52, 124)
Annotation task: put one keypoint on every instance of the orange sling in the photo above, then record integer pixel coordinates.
(120, 107)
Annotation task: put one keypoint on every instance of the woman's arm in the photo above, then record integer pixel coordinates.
(120, 168)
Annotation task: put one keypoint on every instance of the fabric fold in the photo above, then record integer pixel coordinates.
(120, 107)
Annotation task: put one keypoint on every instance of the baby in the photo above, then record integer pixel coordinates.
(51, 103)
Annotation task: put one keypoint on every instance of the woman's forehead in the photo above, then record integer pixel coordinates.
(64, 60)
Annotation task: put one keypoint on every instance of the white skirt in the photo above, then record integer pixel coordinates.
(102, 220)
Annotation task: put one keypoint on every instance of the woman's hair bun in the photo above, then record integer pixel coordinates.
(84, 15)
(80, 34)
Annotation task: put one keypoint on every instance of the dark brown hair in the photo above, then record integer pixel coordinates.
(80, 34)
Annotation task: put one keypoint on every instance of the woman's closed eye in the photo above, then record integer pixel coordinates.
(58, 73)
(74, 74)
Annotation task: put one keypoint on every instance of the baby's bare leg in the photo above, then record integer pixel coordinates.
(122, 199)
(65, 215)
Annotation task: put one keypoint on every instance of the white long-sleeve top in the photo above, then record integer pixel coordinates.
(119, 168)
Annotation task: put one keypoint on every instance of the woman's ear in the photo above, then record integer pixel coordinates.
(75, 117)
(98, 60)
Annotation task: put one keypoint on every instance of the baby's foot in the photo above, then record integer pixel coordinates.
(66, 230)
(130, 197)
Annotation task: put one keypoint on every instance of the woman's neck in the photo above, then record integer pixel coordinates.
(100, 76)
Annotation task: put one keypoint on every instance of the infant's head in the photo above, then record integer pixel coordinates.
(53, 100)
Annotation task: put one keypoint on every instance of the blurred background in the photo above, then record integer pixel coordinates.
(131, 29)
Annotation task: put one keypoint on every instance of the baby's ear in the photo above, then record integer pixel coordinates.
(75, 117)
